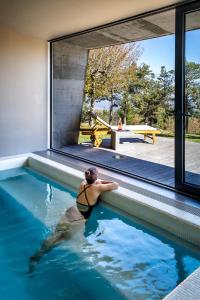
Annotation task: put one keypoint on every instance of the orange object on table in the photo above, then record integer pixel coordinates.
(119, 125)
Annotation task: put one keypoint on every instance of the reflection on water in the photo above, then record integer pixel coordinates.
(135, 259)
(112, 257)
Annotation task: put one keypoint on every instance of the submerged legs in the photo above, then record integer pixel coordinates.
(47, 245)
(64, 231)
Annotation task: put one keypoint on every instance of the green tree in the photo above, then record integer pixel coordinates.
(166, 90)
(130, 81)
(104, 78)
(192, 90)
(155, 96)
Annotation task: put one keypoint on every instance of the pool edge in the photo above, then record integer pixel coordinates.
(184, 225)
(160, 214)
(188, 289)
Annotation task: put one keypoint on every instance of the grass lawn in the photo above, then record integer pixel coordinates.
(83, 138)
(190, 137)
(86, 138)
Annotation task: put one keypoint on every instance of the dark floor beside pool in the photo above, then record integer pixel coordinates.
(164, 195)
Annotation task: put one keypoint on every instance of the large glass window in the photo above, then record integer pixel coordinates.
(113, 96)
(192, 98)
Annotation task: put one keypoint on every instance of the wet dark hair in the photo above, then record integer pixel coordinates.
(91, 175)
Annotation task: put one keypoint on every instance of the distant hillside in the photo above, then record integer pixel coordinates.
(102, 105)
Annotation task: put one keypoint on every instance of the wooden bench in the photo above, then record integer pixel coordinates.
(101, 128)
(117, 134)
(146, 130)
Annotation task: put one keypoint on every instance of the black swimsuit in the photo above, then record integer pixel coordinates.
(85, 209)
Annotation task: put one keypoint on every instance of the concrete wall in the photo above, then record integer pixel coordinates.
(69, 68)
(23, 93)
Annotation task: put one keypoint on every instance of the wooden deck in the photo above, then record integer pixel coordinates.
(154, 162)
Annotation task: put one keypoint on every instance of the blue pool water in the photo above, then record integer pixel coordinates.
(114, 257)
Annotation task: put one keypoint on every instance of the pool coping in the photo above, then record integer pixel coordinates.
(162, 194)
(189, 289)
(181, 223)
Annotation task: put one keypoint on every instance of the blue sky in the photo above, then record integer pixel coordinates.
(192, 46)
(159, 52)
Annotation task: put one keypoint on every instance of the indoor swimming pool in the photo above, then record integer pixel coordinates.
(114, 256)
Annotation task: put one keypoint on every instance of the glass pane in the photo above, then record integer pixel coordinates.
(113, 96)
(192, 99)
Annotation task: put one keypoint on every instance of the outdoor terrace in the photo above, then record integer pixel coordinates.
(141, 158)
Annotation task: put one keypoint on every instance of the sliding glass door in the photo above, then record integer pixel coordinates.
(79, 76)
(188, 98)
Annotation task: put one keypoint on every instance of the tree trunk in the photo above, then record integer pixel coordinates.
(124, 117)
(91, 121)
(111, 110)
(125, 112)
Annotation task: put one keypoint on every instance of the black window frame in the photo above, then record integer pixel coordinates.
(180, 183)
(179, 94)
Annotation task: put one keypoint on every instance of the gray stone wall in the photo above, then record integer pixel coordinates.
(69, 69)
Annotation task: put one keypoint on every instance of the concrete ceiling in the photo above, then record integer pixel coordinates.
(49, 19)
(144, 28)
